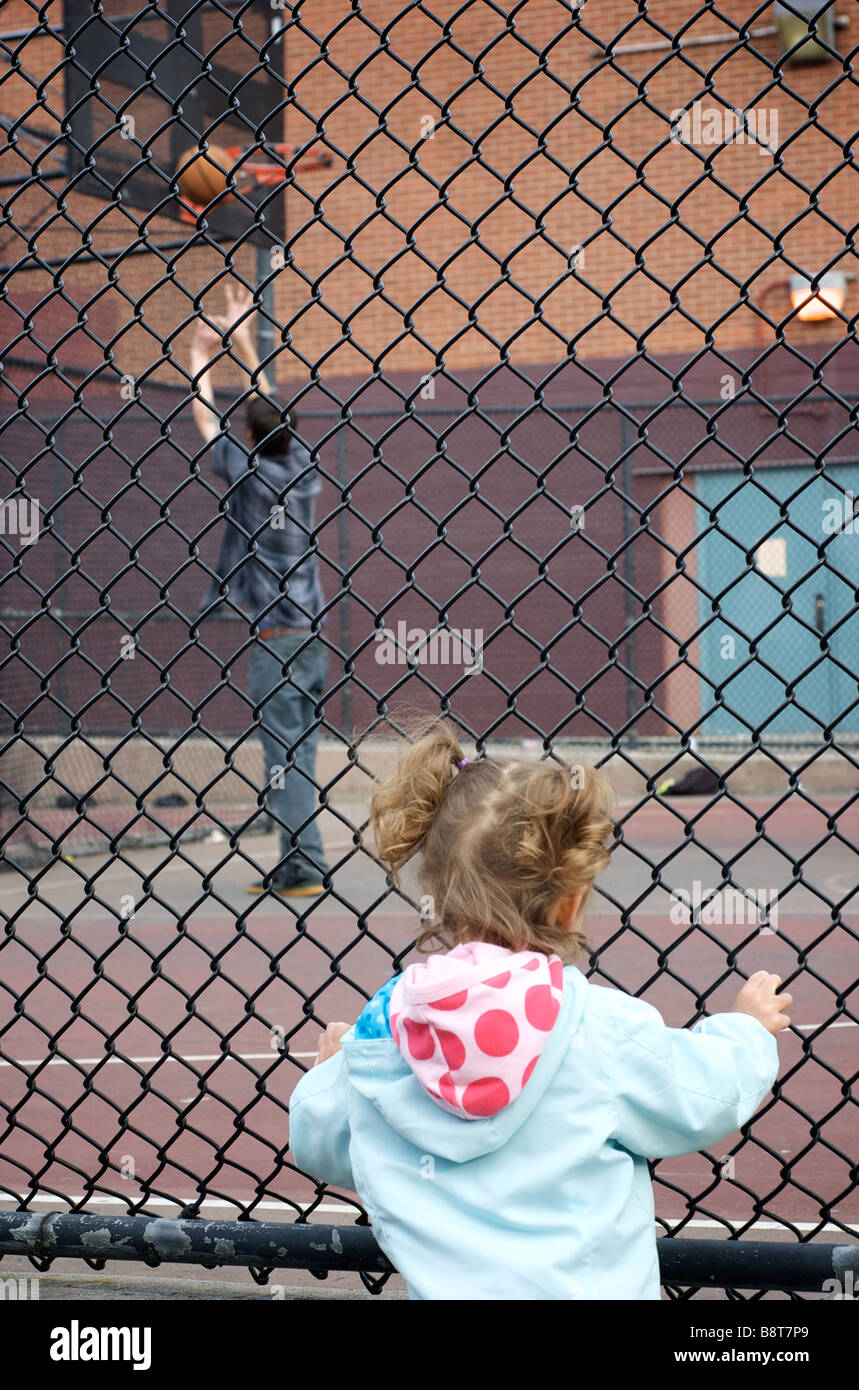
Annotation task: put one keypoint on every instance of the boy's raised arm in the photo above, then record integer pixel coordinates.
(236, 324)
(206, 342)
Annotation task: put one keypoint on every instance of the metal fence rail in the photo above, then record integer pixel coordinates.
(534, 281)
(268, 1246)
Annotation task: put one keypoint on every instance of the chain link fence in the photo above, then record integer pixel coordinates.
(562, 297)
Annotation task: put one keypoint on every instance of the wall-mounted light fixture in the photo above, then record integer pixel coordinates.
(794, 21)
(824, 303)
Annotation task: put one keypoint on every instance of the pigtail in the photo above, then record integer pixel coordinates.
(405, 805)
(501, 842)
(587, 831)
(564, 824)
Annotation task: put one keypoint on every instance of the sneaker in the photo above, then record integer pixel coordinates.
(291, 887)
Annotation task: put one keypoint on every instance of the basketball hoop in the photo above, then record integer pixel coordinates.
(255, 173)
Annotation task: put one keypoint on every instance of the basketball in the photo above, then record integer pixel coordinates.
(203, 177)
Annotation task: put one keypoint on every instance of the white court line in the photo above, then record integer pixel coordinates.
(213, 1203)
(162, 1057)
(221, 1204)
(809, 1027)
(674, 1221)
(251, 1056)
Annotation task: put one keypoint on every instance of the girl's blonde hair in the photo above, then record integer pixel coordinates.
(501, 842)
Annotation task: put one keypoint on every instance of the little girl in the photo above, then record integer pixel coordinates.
(493, 1109)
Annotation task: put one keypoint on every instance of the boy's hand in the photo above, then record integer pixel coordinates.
(758, 997)
(237, 318)
(206, 338)
(329, 1042)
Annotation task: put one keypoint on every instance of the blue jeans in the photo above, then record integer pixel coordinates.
(284, 688)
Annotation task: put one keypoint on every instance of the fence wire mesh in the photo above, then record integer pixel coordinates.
(561, 298)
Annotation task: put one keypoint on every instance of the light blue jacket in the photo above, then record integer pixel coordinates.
(551, 1198)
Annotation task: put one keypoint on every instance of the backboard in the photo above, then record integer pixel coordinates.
(145, 84)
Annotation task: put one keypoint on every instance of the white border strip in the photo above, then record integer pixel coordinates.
(221, 1204)
(145, 1061)
(250, 1056)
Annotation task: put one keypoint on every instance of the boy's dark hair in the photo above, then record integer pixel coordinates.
(271, 427)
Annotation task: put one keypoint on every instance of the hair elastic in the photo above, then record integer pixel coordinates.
(462, 762)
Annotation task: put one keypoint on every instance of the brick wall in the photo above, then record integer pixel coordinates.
(537, 148)
(469, 159)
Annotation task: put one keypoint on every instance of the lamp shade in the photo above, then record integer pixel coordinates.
(795, 29)
(825, 303)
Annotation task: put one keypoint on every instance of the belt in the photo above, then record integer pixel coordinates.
(284, 632)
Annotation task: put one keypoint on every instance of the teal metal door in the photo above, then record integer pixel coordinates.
(777, 596)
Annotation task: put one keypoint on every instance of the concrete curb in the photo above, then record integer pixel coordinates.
(200, 761)
(120, 1288)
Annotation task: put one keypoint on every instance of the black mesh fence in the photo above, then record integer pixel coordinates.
(562, 300)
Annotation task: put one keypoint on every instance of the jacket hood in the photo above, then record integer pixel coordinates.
(472, 1023)
(478, 1035)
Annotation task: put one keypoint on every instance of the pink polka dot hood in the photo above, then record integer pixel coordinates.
(472, 1023)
